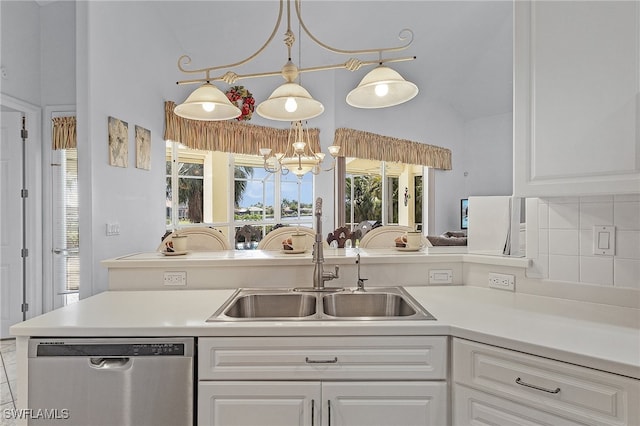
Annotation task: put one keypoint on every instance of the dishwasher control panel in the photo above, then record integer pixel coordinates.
(82, 347)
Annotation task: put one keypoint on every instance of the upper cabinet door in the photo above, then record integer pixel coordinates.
(576, 100)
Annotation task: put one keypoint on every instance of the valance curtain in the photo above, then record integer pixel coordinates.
(371, 146)
(228, 136)
(64, 133)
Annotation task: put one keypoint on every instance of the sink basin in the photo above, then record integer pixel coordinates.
(389, 303)
(366, 305)
(272, 306)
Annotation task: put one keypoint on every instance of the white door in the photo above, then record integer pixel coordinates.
(267, 403)
(384, 403)
(10, 221)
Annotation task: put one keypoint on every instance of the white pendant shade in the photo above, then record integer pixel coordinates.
(207, 103)
(382, 87)
(290, 102)
(300, 165)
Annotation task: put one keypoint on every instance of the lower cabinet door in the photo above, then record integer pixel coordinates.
(314, 403)
(472, 407)
(268, 403)
(384, 403)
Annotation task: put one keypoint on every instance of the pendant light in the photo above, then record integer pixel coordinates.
(382, 87)
(207, 103)
(290, 101)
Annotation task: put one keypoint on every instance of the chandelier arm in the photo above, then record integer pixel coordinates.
(187, 60)
(404, 34)
(346, 65)
(349, 66)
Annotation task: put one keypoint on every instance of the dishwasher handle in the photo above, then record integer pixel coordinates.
(101, 363)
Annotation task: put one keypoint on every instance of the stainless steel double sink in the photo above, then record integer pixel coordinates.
(388, 303)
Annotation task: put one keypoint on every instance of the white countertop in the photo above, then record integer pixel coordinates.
(594, 335)
(268, 257)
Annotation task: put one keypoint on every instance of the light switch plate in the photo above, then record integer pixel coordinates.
(604, 240)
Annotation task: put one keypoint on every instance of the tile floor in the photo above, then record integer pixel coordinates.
(7, 379)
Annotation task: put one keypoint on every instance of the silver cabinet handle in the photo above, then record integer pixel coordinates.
(521, 383)
(321, 361)
(329, 412)
(313, 405)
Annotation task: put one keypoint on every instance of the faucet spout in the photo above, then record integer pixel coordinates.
(319, 275)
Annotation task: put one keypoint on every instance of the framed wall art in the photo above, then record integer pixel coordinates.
(118, 142)
(143, 148)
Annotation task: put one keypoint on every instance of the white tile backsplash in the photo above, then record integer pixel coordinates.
(596, 270)
(627, 273)
(565, 240)
(627, 215)
(592, 214)
(564, 268)
(628, 244)
(564, 215)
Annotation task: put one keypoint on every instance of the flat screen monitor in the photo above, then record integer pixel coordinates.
(464, 213)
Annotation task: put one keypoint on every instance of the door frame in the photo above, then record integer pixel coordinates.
(49, 301)
(33, 115)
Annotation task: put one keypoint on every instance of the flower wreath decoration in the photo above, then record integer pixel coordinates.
(243, 99)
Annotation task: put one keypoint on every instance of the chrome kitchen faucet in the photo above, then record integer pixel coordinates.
(319, 275)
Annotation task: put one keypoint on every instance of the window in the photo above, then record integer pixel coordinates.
(66, 263)
(201, 180)
(386, 193)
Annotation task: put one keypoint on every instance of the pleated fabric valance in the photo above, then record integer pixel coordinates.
(371, 146)
(228, 136)
(64, 133)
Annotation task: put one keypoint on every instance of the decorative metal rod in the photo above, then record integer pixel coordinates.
(401, 36)
(347, 65)
(351, 65)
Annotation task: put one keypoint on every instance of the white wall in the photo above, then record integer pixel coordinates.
(58, 53)
(127, 73)
(20, 50)
(488, 150)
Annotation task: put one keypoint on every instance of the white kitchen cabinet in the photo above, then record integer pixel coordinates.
(251, 403)
(479, 408)
(308, 403)
(576, 98)
(384, 403)
(322, 380)
(502, 387)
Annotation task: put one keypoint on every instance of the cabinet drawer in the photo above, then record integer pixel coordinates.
(472, 407)
(578, 393)
(342, 357)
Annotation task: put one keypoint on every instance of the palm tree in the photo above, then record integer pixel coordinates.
(190, 190)
(241, 174)
(367, 197)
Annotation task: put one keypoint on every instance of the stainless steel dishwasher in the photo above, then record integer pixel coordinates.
(109, 381)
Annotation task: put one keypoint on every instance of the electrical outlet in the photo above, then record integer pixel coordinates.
(502, 281)
(175, 278)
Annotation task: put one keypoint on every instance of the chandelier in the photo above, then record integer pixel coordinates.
(299, 158)
(381, 87)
